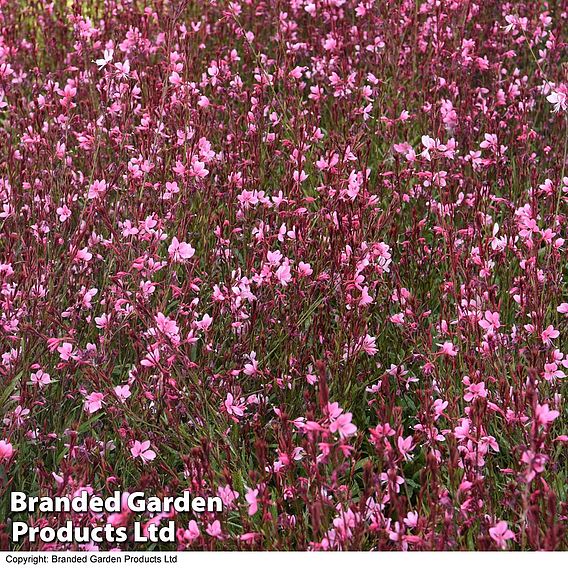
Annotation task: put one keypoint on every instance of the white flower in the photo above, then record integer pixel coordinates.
(559, 100)
(107, 58)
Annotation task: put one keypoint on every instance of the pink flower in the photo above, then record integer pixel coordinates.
(65, 351)
(551, 372)
(251, 498)
(151, 359)
(429, 144)
(198, 169)
(563, 308)
(490, 322)
(122, 392)
(544, 415)
(214, 529)
(490, 141)
(366, 299)
(123, 69)
(192, 532)
(6, 450)
(474, 391)
(405, 446)
(83, 254)
(536, 463)
(40, 378)
(462, 431)
(334, 410)
(171, 189)
(559, 100)
(411, 519)
(64, 213)
(94, 402)
(369, 345)
(141, 450)
(102, 321)
(97, 189)
(232, 407)
(228, 495)
(248, 536)
(167, 326)
(343, 426)
(204, 323)
(180, 251)
(406, 149)
(448, 348)
(251, 369)
(283, 274)
(304, 269)
(397, 319)
(548, 334)
(500, 533)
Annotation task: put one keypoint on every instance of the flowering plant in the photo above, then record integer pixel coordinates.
(306, 256)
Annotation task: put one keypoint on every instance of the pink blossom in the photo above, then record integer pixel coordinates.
(233, 407)
(228, 495)
(40, 378)
(304, 269)
(205, 322)
(142, 450)
(192, 532)
(97, 189)
(283, 274)
(368, 345)
(94, 402)
(180, 251)
(214, 529)
(411, 519)
(122, 392)
(563, 308)
(474, 391)
(405, 446)
(6, 450)
(251, 498)
(500, 533)
(65, 351)
(559, 100)
(544, 415)
(490, 322)
(343, 426)
(448, 348)
(548, 334)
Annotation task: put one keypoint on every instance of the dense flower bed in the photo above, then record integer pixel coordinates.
(307, 256)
